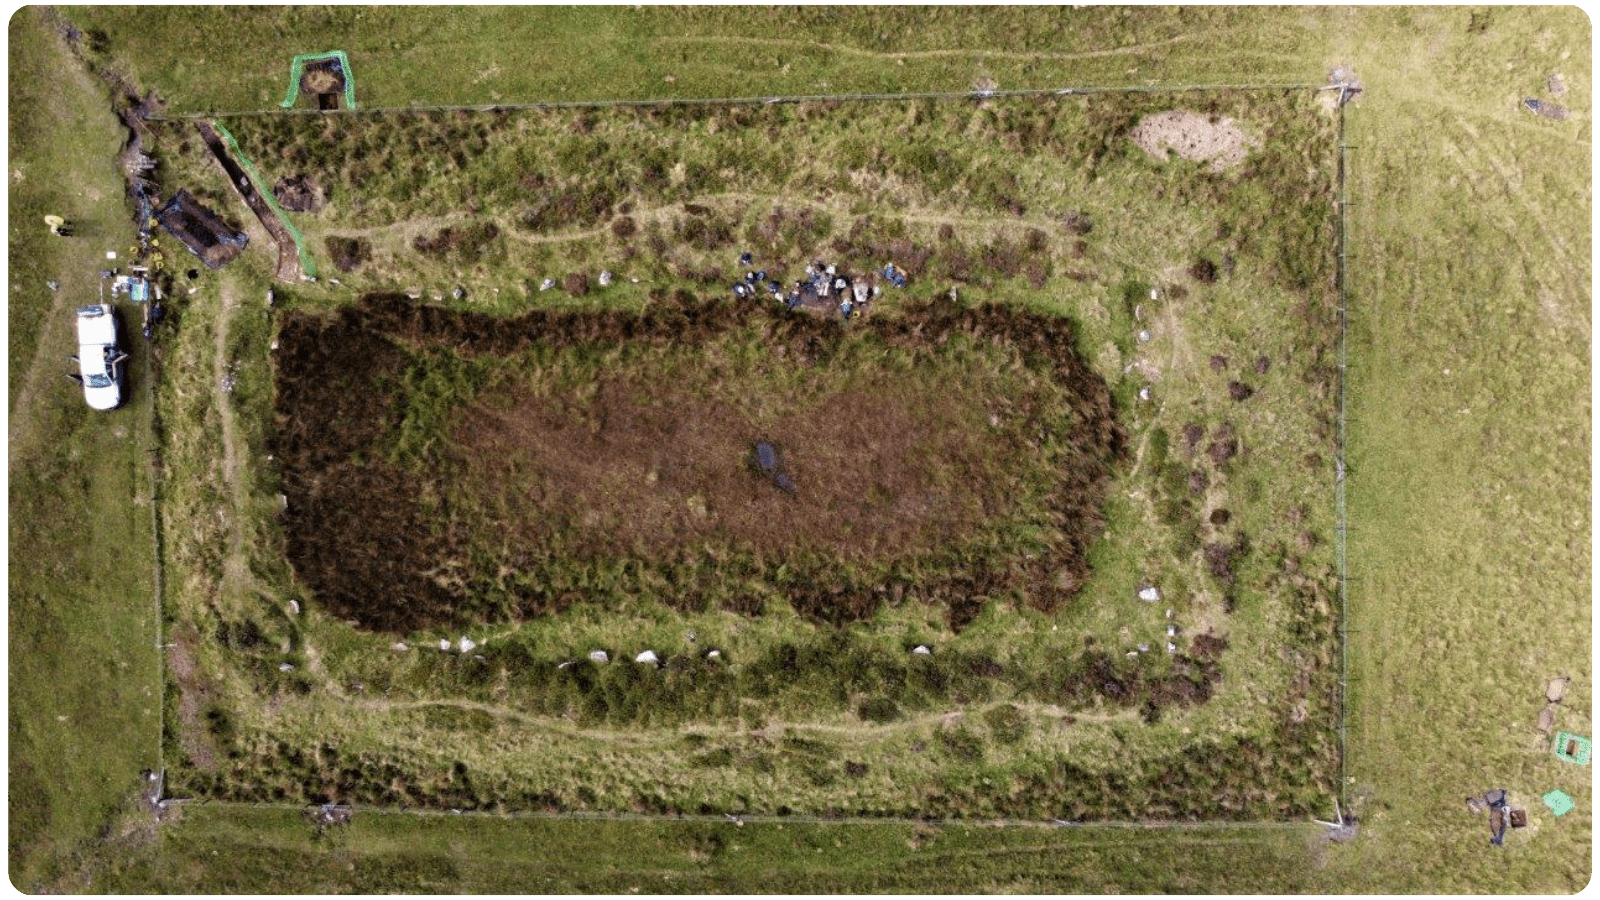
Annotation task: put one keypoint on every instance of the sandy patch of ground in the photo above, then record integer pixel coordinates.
(1195, 137)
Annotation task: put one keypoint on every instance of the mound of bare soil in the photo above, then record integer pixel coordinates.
(636, 474)
(1218, 141)
(299, 193)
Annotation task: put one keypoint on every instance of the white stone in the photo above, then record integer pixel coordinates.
(399, 647)
(1144, 336)
(599, 656)
(1144, 648)
(1155, 293)
(921, 650)
(294, 607)
(1149, 594)
(715, 654)
(467, 644)
(1144, 393)
(1171, 647)
(286, 667)
(444, 643)
(649, 656)
(547, 284)
(1172, 631)
(605, 277)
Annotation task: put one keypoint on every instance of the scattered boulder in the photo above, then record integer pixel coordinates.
(1149, 594)
(467, 644)
(1547, 718)
(286, 667)
(399, 647)
(648, 656)
(294, 607)
(1556, 689)
(921, 650)
(599, 656)
(605, 277)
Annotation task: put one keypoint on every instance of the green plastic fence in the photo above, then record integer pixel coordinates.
(298, 67)
(306, 265)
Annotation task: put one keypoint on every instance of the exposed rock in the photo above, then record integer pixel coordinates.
(599, 656)
(1556, 689)
(649, 656)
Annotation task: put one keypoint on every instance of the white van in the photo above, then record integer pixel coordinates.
(100, 357)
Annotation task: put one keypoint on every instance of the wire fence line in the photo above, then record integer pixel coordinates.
(1341, 528)
(737, 819)
(757, 100)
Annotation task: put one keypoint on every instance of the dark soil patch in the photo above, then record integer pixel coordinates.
(1076, 223)
(362, 538)
(1262, 365)
(299, 193)
(1220, 517)
(1238, 390)
(1220, 559)
(1192, 433)
(468, 240)
(1208, 646)
(1218, 363)
(1224, 445)
(348, 252)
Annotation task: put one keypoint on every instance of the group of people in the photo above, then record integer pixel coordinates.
(823, 289)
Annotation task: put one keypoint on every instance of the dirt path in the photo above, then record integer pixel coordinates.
(633, 737)
(846, 49)
(55, 337)
(236, 574)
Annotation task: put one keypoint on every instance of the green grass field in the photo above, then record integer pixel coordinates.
(1469, 431)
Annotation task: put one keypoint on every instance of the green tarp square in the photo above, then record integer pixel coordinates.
(1559, 802)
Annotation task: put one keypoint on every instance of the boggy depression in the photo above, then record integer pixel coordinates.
(444, 467)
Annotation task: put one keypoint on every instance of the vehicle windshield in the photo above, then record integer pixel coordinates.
(99, 381)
